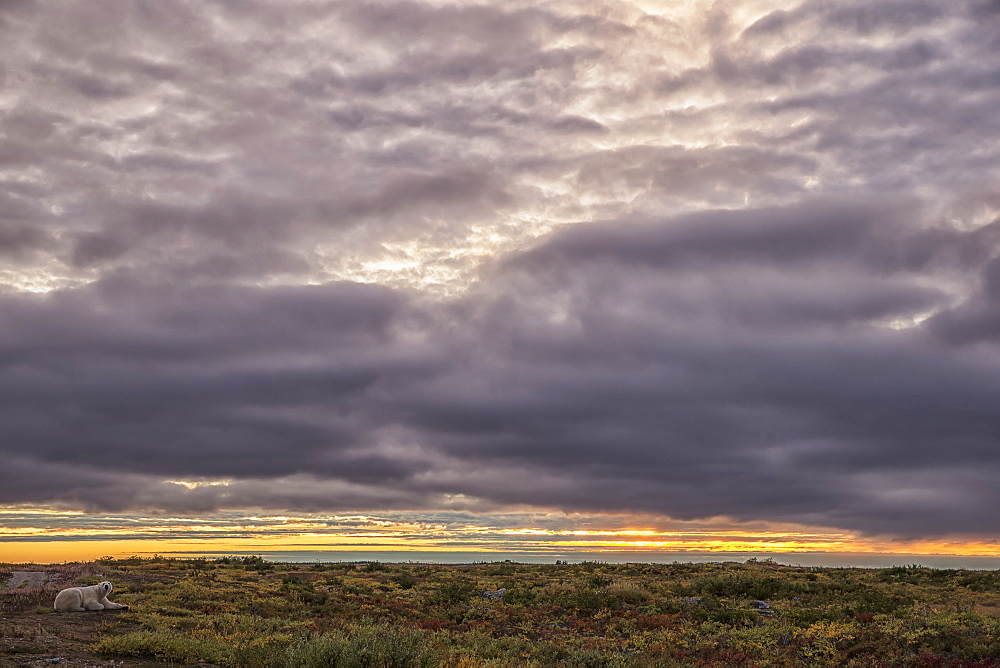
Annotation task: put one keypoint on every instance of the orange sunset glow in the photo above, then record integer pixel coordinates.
(47, 536)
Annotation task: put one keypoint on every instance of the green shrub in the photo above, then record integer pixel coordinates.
(456, 591)
(589, 658)
(981, 581)
(373, 646)
(746, 585)
(589, 601)
(598, 580)
(249, 563)
(521, 595)
(165, 646)
(876, 601)
(629, 594)
(405, 580)
(712, 610)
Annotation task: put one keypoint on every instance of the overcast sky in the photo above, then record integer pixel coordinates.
(687, 259)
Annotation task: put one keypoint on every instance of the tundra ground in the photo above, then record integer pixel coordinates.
(249, 612)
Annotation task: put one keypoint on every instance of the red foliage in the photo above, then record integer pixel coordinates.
(929, 660)
(656, 622)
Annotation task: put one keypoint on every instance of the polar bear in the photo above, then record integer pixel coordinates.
(94, 597)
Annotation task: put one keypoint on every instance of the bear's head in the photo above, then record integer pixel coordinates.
(105, 588)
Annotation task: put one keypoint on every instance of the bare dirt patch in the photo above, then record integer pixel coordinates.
(22, 579)
(31, 634)
(988, 608)
(31, 639)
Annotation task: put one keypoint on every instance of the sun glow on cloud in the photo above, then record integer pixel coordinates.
(195, 484)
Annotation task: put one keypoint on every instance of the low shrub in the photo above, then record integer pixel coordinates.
(166, 645)
(375, 646)
(456, 591)
(405, 580)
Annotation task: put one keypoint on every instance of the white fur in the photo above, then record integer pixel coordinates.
(94, 597)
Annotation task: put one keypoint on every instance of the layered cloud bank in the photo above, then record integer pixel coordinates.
(684, 261)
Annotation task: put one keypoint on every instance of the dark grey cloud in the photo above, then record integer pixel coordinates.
(727, 363)
(720, 261)
(978, 319)
(895, 18)
(151, 376)
(688, 372)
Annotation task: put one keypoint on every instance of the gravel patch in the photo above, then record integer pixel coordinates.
(22, 579)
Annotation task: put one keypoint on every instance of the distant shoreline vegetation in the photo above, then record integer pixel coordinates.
(814, 559)
(259, 561)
